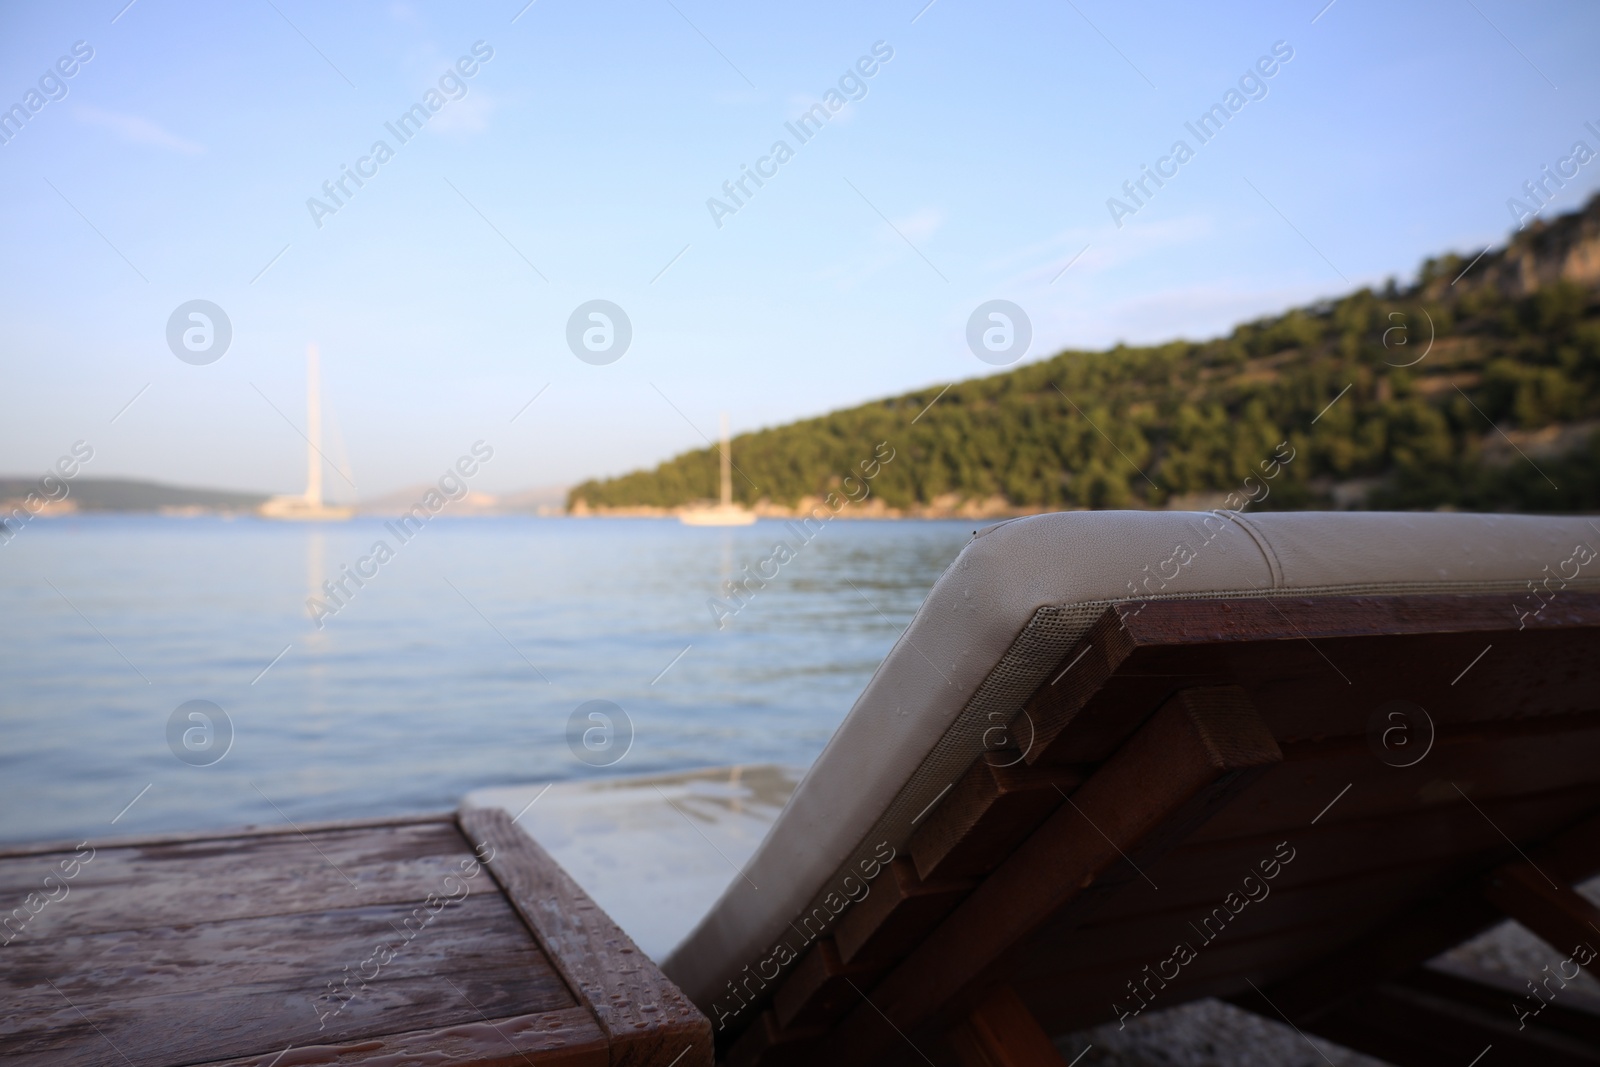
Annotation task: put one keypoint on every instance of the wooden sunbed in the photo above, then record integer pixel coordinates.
(1103, 733)
(381, 944)
(1201, 802)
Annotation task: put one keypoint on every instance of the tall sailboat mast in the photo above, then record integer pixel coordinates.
(726, 513)
(727, 465)
(313, 427)
(309, 507)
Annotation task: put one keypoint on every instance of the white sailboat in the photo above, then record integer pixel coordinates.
(310, 507)
(726, 513)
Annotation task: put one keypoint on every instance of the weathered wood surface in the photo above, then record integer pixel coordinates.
(569, 1038)
(235, 833)
(380, 943)
(646, 1018)
(237, 981)
(214, 880)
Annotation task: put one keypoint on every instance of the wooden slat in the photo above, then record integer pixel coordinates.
(1268, 940)
(820, 988)
(1069, 1000)
(251, 985)
(1065, 1000)
(1002, 1032)
(1192, 756)
(569, 1038)
(1308, 689)
(990, 810)
(1198, 873)
(1117, 950)
(1417, 935)
(1071, 993)
(34, 848)
(1219, 620)
(1577, 1013)
(1293, 890)
(1566, 921)
(1492, 760)
(1436, 1015)
(897, 913)
(1075, 994)
(1086, 670)
(1329, 688)
(767, 1043)
(647, 1019)
(213, 879)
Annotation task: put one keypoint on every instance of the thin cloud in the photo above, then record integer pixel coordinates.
(887, 248)
(800, 104)
(1189, 312)
(470, 114)
(739, 97)
(1109, 248)
(921, 224)
(137, 130)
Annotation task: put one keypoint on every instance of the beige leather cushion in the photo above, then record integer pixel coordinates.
(1005, 612)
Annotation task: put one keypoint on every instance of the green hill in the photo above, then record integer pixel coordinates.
(1501, 413)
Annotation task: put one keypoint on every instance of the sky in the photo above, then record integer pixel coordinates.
(185, 159)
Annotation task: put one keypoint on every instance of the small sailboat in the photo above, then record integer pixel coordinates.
(309, 508)
(726, 513)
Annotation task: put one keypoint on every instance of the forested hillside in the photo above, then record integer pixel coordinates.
(1499, 414)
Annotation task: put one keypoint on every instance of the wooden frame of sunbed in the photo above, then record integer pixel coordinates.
(1174, 751)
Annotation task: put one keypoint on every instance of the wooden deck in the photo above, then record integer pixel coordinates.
(440, 940)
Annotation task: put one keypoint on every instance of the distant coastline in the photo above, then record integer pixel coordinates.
(133, 495)
(951, 506)
(121, 494)
(110, 496)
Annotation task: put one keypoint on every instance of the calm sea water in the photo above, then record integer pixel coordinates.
(457, 666)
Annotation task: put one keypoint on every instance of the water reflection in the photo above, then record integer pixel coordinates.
(407, 698)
